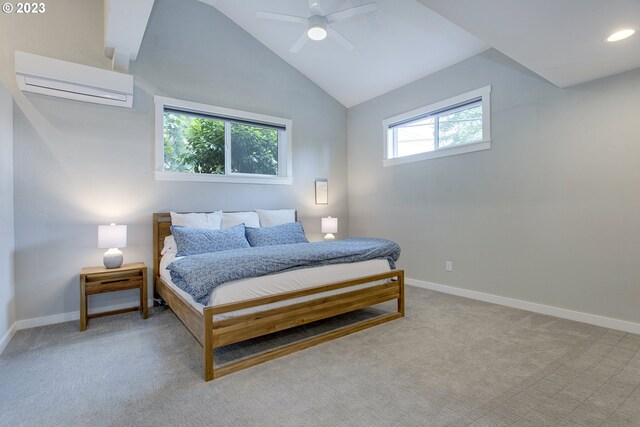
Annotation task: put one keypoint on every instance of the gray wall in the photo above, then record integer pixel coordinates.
(549, 215)
(7, 288)
(78, 165)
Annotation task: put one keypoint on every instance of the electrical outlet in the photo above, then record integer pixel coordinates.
(448, 265)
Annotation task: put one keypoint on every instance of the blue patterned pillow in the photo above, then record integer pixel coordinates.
(283, 234)
(193, 241)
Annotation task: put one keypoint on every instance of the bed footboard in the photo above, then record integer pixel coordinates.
(218, 333)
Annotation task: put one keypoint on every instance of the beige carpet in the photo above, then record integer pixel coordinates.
(450, 362)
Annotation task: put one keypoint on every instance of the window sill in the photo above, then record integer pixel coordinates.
(443, 152)
(230, 179)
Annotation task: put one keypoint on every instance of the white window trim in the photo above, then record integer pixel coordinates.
(285, 169)
(485, 144)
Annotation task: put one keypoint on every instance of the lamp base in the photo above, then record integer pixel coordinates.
(329, 236)
(112, 258)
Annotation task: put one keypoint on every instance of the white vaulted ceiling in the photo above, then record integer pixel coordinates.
(399, 43)
(404, 40)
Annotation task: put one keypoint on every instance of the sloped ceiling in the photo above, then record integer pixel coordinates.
(399, 43)
(560, 40)
(404, 40)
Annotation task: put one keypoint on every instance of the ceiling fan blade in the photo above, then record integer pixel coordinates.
(349, 13)
(315, 8)
(281, 17)
(339, 38)
(299, 43)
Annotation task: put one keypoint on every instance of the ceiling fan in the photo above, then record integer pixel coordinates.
(319, 26)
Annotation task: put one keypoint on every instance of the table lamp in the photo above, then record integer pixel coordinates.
(112, 237)
(329, 226)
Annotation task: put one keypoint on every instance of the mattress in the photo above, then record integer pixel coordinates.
(255, 287)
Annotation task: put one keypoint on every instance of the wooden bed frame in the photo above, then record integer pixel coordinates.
(213, 334)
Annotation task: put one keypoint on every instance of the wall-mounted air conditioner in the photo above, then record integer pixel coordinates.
(64, 79)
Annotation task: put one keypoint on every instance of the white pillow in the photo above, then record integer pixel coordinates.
(269, 218)
(169, 246)
(197, 220)
(249, 219)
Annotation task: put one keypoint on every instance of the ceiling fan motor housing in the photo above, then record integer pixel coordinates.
(317, 27)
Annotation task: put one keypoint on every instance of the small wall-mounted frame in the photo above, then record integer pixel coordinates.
(322, 191)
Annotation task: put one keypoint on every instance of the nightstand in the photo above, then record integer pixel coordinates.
(98, 280)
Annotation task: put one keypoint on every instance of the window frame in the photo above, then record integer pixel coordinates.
(440, 108)
(285, 169)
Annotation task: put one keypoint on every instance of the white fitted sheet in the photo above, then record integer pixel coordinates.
(240, 290)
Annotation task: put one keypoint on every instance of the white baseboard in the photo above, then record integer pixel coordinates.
(47, 320)
(7, 337)
(564, 313)
(56, 318)
(66, 317)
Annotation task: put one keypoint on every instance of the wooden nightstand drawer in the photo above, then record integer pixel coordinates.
(110, 285)
(112, 275)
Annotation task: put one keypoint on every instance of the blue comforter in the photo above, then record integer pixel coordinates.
(200, 274)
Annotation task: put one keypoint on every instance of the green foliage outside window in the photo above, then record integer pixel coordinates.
(254, 149)
(197, 145)
(461, 127)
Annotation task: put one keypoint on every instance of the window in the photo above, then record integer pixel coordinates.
(453, 126)
(197, 142)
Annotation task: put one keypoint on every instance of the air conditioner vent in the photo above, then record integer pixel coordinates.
(68, 80)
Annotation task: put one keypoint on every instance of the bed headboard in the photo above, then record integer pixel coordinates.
(162, 229)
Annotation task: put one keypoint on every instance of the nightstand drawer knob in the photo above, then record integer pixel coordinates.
(104, 282)
(107, 281)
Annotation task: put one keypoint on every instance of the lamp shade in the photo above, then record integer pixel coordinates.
(112, 236)
(329, 225)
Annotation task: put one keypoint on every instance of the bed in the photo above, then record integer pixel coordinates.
(222, 324)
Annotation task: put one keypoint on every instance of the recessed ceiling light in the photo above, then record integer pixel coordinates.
(621, 35)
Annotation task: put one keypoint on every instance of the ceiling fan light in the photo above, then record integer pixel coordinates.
(317, 33)
(317, 29)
